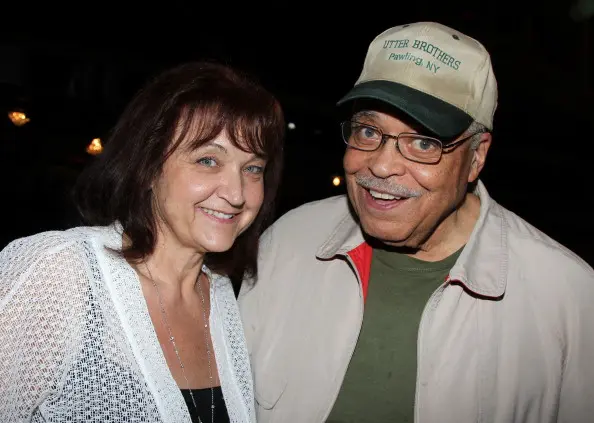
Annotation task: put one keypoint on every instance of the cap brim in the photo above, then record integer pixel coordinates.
(437, 116)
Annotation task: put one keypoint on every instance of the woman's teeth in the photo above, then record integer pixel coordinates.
(218, 214)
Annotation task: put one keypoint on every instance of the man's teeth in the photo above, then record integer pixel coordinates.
(383, 196)
(218, 214)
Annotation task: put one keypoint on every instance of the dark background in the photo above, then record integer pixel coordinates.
(72, 69)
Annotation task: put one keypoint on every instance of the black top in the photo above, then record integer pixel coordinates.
(203, 401)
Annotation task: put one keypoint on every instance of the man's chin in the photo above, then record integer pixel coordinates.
(399, 246)
(386, 236)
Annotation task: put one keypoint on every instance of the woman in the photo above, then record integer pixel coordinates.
(133, 318)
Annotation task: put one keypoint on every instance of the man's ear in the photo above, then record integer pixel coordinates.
(479, 157)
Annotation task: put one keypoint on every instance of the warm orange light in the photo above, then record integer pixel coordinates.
(95, 147)
(336, 181)
(18, 118)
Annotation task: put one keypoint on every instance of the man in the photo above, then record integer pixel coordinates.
(418, 297)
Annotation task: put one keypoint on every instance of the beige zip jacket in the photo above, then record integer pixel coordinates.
(509, 337)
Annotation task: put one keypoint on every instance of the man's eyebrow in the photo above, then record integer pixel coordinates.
(365, 114)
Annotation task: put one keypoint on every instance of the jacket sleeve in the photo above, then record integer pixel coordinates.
(41, 305)
(576, 401)
(254, 293)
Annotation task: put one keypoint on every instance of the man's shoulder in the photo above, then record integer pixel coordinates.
(320, 214)
(533, 246)
(307, 225)
(319, 208)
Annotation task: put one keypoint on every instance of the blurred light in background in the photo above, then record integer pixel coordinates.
(95, 147)
(291, 126)
(336, 181)
(18, 118)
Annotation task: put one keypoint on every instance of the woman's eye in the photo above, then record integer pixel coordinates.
(255, 169)
(207, 161)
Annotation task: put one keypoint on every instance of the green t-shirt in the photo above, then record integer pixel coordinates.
(379, 385)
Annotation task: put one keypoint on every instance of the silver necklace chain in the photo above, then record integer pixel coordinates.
(172, 340)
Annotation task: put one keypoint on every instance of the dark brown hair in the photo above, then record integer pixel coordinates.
(117, 187)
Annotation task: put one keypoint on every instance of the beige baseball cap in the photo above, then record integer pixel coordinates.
(438, 76)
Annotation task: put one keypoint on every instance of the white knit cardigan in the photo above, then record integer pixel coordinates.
(77, 343)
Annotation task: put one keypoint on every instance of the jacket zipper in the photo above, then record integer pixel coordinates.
(354, 344)
(430, 303)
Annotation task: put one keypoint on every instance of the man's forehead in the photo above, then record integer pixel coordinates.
(375, 109)
(366, 114)
(383, 117)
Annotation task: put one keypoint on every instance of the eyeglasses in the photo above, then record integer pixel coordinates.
(414, 147)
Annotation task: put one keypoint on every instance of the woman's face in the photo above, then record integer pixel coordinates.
(206, 197)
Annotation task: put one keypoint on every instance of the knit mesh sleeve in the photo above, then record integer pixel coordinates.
(42, 305)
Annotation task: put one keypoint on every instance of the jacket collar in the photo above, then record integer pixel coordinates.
(345, 237)
(482, 265)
